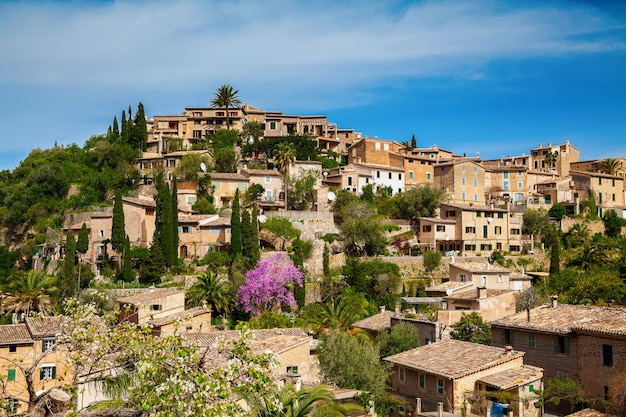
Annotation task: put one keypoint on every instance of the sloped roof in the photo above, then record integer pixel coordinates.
(140, 201)
(14, 334)
(566, 318)
(453, 358)
(480, 267)
(148, 295)
(41, 327)
(224, 176)
(588, 412)
(510, 378)
(186, 314)
(474, 207)
(452, 285)
(377, 322)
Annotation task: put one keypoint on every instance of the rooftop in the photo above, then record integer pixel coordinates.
(480, 267)
(14, 334)
(377, 322)
(149, 295)
(566, 318)
(453, 358)
(514, 377)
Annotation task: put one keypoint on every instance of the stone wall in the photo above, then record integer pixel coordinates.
(595, 226)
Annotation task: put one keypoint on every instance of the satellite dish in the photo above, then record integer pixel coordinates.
(203, 166)
(262, 218)
(331, 196)
(449, 292)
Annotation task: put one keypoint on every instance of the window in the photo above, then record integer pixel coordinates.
(410, 175)
(197, 122)
(600, 198)
(197, 114)
(428, 175)
(505, 185)
(156, 307)
(501, 215)
(478, 214)
(401, 373)
(498, 230)
(293, 370)
(349, 180)
(451, 213)
(561, 345)
(463, 181)
(47, 344)
(463, 196)
(470, 229)
(462, 167)
(475, 197)
(507, 337)
(377, 146)
(520, 173)
(531, 388)
(441, 228)
(531, 342)
(100, 233)
(475, 169)
(599, 181)
(515, 231)
(272, 125)
(485, 231)
(386, 147)
(150, 212)
(197, 134)
(607, 355)
(377, 174)
(440, 386)
(400, 177)
(422, 381)
(233, 113)
(12, 348)
(214, 230)
(613, 197)
(48, 372)
(426, 228)
(268, 179)
(505, 174)
(268, 195)
(470, 247)
(11, 375)
(390, 175)
(475, 182)
(520, 184)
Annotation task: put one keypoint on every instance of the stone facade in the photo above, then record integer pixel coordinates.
(461, 180)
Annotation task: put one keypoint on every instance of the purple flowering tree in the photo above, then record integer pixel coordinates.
(266, 286)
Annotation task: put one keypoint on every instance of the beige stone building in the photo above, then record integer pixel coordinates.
(151, 304)
(490, 304)
(608, 190)
(273, 186)
(29, 348)
(462, 181)
(224, 187)
(507, 184)
(565, 154)
(583, 343)
(455, 373)
(418, 171)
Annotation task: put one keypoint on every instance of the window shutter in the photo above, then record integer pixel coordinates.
(11, 376)
(556, 344)
(41, 374)
(565, 345)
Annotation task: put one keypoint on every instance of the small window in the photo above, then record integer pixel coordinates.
(507, 337)
(475, 197)
(426, 228)
(462, 167)
(501, 215)
(390, 175)
(401, 373)
(428, 175)
(268, 179)
(607, 355)
(475, 183)
(11, 375)
(463, 196)
(500, 279)
(47, 372)
(156, 307)
(100, 233)
(463, 181)
(531, 388)
(498, 230)
(441, 228)
(400, 177)
(386, 147)
(531, 342)
(377, 146)
(440, 386)
(470, 229)
(377, 174)
(410, 175)
(272, 125)
(561, 345)
(12, 348)
(422, 381)
(47, 344)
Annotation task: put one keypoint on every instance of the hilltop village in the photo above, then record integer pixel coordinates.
(231, 261)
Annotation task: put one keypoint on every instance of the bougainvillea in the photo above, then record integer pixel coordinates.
(267, 285)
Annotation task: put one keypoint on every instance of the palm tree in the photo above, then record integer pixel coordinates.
(226, 97)
(551, 158)
(210, 289)
(309, 401)
(338, 313)
(30, 292)
(588, 256)
(611, 166)
(284, 157)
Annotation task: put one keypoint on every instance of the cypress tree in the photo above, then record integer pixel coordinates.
(174, 216)
(163, 220)
(297, 257)
(413, 142)
(235, 227)
(115, 132)
(83, 239)
(67, 273)
(255, 254)
(127, 274)
(326, 260)
(246, 236)
(140, 130)
(124, 126)
(118, 232)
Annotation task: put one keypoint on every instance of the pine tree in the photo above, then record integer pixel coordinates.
(115, 132)
(118, 232)
(174, 215)
(235, 227)
(83, 239)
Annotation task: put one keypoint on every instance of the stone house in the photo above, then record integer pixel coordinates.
(565, 154)
(31, 345)
(224, 187)
(465, 378)
(506, 183)
(418, 171)
(99, 228)
(151, 304)
(193, 320)
(608, 190)
(376, 152)
(490, 304)
(438, 234)
(273, 184)
(583, 343)
(461, 180)
(486, 275)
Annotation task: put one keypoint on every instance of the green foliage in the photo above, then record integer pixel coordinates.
(68, 283)
(252, 130)
(432, 260)
(165, 235)
(226, 97)
(590, 206)
(557, 211)
(556, 390)
(236, 242)
(418, 202)
(30, 291)
(281, 227)
(336, 312)
(118, 232)
(402, 337)
(269, 319)
(189, 166)
(127, 274)
(330, 237)
(204, 205)
(302, 190)
(326, 260)
(361, 231)
(305, 147)
(351, 362)
(173, 260)
(471, 328)
(225, 160)
(497, 257)
(377, 279)
(253, 193)
(7, 262)
(612, 223)
(577, 235)
(535, 222)
(83, 239)
(214, 260)
(212, 291)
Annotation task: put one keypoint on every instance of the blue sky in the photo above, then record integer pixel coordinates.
(494, 77)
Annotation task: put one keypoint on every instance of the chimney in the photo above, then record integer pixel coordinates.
(381, 309)
(481, 292)
(553, 301)
(508, 349)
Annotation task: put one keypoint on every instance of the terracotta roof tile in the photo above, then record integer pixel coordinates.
(453, 358)
(41, 327)
(14, 334)
(148, 295)
(588, 412)
(566, 318)
(224, 176)
(377, 322)
(511, 378)
(187, 314)
(480, 267)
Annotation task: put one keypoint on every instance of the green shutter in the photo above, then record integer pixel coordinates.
(565, 345)
(11, 376)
